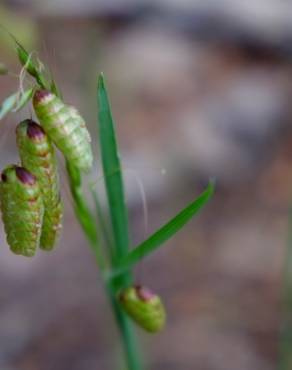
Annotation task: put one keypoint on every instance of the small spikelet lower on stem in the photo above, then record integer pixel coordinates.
(144, 307)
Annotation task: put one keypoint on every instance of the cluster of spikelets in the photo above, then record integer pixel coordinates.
(29, 193)
(30, 196)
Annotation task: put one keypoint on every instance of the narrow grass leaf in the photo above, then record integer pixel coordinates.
(8, 105)
(112, 172)
(156, 240)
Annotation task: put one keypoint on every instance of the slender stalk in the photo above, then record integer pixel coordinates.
(83, 213)
(127, 333)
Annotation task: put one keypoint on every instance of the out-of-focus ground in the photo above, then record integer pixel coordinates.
(198, 90)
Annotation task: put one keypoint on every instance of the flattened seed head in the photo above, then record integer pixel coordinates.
(25, 176)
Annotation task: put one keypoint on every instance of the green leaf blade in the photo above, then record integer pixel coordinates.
(112, 172)
(168, 230)
(15, 102)
(7, 105)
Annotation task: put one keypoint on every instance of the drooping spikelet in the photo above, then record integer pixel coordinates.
(65, 127)
(144, 307)
(22, 209)
(38, 156)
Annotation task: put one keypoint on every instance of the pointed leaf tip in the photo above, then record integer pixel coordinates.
(100, 82)
(112, 172)
(163, 234)
(213, 181)
(211, 186)
(8, 105)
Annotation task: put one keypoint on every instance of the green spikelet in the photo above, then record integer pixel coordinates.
(65, 127)
(144, 307)
(22, 209)
(38, 156)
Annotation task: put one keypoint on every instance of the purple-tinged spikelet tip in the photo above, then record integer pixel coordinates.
(24, 176)
(39, 95)
(34, 130)
(145, 294)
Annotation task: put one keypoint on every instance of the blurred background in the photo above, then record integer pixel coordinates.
(199, 89)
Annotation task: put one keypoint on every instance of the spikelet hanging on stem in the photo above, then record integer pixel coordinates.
(38, 156)
(65, 127)
(22, 209)
(144, 307)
